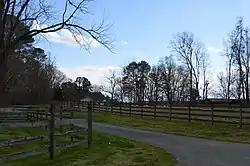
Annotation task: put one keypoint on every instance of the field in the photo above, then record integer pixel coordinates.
(106, 150)
(21, 142)
(21, 145)
(225, 132)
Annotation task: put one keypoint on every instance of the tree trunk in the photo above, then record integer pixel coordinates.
(229, 80)
(246, 86)
(191, 87)
(197, 89)
(3, 56)
(3, 74)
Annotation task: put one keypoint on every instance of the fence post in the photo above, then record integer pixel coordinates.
(112, 104)
(170, 111)
(212, 114)
(37, 113)
(61, 127)
(41, 115)
(99, 106)
(27, 116)
(155, 107)
(240, 115)
(130, 109)
(141, 109)
(106, 106)
(120, 108)
(46, 115)
(189, 114)
(72, 125)
(52, 131)
(89, 125)
(47, 119)
(31, 117)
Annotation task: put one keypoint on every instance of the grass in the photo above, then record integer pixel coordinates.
(106, 150)
(224, 132)
(21, 132)
(11, 133)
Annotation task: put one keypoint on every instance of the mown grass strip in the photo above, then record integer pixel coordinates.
(224, 132)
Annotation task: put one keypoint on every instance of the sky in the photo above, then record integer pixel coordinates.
(142, 31)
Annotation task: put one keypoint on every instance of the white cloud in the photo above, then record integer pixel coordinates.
(213, 50)
(96, 74)
(124, 42)
(64, 36)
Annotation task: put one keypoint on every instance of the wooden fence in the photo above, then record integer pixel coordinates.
(233, 114)
(51, 120)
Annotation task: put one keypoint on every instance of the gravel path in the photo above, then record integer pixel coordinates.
(188, 151)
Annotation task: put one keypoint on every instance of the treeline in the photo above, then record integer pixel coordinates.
(140, 82)
(234, 80)
(27, 73)
(182, 76)
(33, 78)
(185, 75)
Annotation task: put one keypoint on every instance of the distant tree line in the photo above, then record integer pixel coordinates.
(27, 73)
(185, 74)
(182, 76)
(234, 80)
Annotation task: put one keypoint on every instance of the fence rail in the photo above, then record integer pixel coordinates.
(233, 114)
(48, 119)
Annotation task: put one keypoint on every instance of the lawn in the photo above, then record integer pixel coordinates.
(21, 132)
(225, 132)
(106, 150)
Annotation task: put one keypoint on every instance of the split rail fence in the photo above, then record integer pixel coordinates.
(56, 133)
(233, 114)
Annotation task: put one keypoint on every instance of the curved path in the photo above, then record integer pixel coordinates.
(188, 151)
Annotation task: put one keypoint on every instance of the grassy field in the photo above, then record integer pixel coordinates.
(106, 150)
(225, 132)
(218, 131)
(15, 133)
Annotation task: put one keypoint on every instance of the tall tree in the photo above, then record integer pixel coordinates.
(154, 84)
(83, 84)
(143, 71)
(237, 53)
(190, 51)
(174, 80)
(205, 74)
(17, 20)
(112, 81)
(135, 79)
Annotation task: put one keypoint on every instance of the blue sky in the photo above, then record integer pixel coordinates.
(147, 27)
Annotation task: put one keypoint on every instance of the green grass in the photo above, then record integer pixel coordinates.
(198, 129)
(23, 147)
(11, 133)
(106, 150)
(20, 132)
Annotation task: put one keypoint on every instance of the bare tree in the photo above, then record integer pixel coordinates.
(190, 51)
(237, 53)
(17, 26)
(205, 74)
(237, 46)
(112, 81)
(229, 56)
(154, 84)
(223, 86)
(246, 63)
(120, 90)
